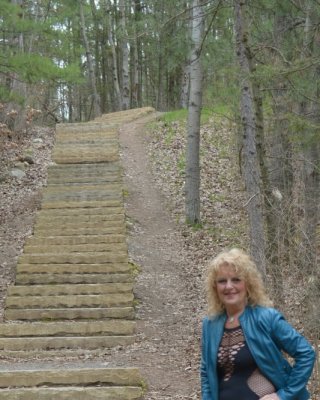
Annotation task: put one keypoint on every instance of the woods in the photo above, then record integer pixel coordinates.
(254, 62)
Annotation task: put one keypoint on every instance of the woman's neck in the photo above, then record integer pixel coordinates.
(234, 312)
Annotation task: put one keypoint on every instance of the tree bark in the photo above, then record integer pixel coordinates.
(185, 83)
(96, 108)
(251, 168)
(97, 50)
(136, 64)
(17, 119)
(192, 185)
(125, 89)
(311, 153)
(115, 69)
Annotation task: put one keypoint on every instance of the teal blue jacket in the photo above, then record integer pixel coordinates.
(267, 334)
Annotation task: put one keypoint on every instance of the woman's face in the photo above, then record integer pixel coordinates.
(231, 288)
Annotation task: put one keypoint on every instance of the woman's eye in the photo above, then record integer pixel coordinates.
(233, 281)
(221, 281)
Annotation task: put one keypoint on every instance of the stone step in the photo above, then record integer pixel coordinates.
(82, 169)
(73, 258)
(115, 239)
(76, 172)
(83, 198)
(108, 230)
(73, 393)
(75, 212)
(43, 219)
(92, 187)
(52, 376)
(85, 146)
(26, 344)
(101, 123)
(78, 180)
(58, 290)
(100, 152)
(118, 248)
(96, 155)
(71, 301)
(71, 278)
(83, 180)
(60, 223)
(50, 314)
(75, 185)
(81, 217)
(68, 375)
(92, 128)
(80, 203)
(70, 329)
(98, 268)
(81, 194)
(85, 141)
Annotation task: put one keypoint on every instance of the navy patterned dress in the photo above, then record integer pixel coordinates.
(238, 374)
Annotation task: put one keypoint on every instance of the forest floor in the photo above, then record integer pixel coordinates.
(171, 257)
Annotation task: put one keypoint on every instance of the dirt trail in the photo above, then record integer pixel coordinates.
(166, 324)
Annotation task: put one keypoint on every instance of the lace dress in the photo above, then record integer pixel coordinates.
(238, 374)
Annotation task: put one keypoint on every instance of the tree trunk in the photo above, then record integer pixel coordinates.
(275, 214)
(115, 68)
(96, 109)
(311, 153)
(281, 164)
(136, 74)
(185, 84)
(17, 119)
(160, 105)
(185, 77)
(125, 89)
(97, 51)
(251, 168)
(192, 185)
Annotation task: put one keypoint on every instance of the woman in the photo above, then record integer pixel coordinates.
(244, 338)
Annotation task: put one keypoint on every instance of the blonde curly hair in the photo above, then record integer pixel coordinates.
(247, 270)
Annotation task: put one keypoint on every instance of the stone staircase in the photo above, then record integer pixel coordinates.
(74, 286)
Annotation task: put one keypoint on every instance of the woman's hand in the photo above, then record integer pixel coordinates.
(272, 396)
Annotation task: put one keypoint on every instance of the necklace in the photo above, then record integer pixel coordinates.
(232, 318)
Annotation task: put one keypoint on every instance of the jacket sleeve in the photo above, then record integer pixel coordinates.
(297, 347)
(205, 388)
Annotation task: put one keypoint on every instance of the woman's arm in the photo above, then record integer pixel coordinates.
(205, 388)
(297, 347)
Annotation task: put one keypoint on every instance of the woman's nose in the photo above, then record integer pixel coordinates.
(229, 283)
